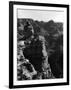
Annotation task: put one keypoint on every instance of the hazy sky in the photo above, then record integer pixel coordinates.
(57, 16)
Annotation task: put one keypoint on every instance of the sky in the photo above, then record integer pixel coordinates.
(40, 15)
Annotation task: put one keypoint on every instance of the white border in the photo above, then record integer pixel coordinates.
(28, 82)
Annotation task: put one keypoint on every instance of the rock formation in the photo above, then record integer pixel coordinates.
(35, 46)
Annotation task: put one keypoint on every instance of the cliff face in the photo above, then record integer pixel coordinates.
(40, 49)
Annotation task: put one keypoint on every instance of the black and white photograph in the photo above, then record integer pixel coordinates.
(39, 44)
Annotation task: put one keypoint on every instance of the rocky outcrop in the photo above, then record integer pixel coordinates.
(36, 49)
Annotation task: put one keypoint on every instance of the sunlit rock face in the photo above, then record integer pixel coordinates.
(39, 50)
